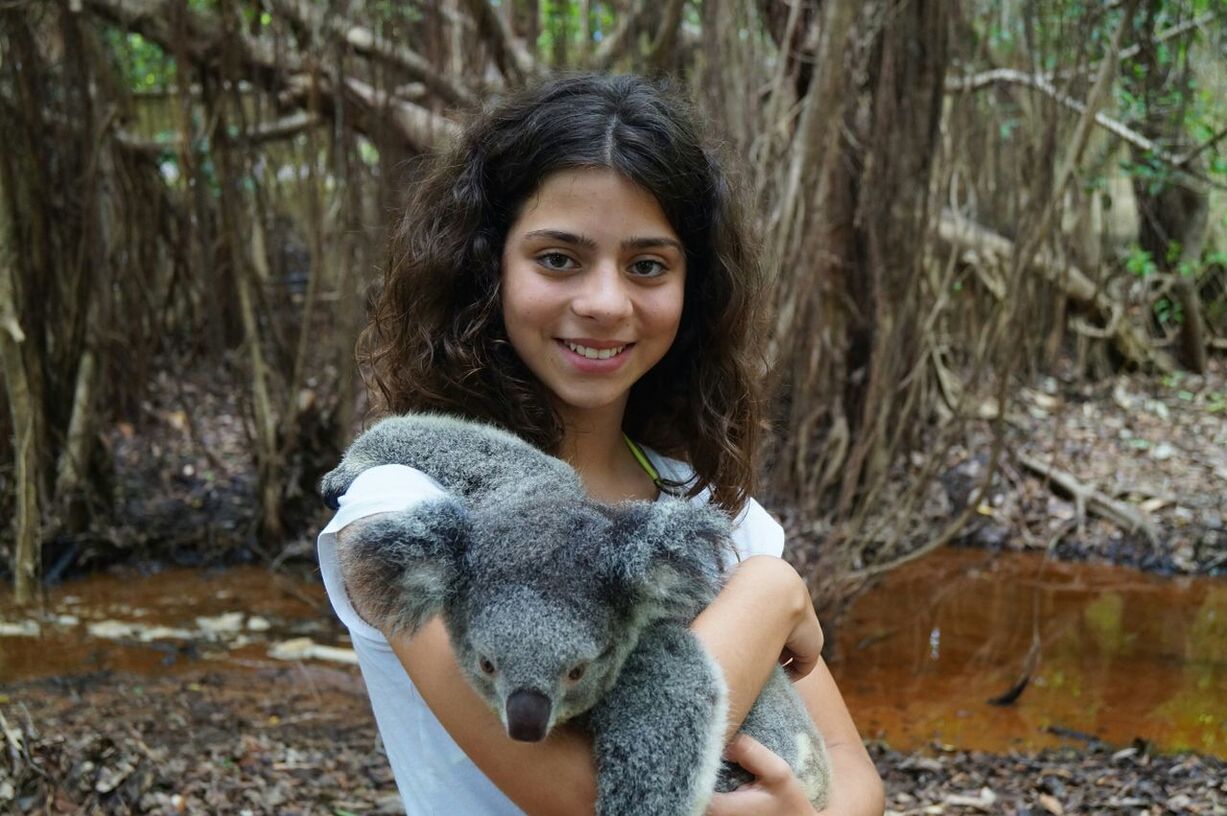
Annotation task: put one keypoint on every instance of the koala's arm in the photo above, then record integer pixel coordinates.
(763, 608)
(856, 787)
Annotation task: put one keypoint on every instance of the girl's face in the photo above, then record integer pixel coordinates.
(593, 278)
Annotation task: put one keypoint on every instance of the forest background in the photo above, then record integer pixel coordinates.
(984, 221)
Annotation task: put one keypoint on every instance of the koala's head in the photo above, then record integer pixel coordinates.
(543, 599)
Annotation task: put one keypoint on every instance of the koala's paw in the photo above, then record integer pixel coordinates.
(336, 482)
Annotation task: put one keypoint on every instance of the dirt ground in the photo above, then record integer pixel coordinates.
(300, 741)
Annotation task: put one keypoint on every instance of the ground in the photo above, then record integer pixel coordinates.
(300, 741)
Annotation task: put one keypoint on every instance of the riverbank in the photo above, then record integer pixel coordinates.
(299, 740)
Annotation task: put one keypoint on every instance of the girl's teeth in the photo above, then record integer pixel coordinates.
(595, 354)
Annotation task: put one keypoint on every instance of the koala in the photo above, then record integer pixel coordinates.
(562, 608)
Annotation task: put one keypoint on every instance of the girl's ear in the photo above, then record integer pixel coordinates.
(666, 557)
(401, 568)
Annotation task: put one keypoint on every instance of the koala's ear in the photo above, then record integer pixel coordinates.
(401, 568)
(667, 556)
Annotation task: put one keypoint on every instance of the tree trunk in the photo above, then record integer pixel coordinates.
(25, 410)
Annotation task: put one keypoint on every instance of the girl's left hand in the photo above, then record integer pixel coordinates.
(775, 791)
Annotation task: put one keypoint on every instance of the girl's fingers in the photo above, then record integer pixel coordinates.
(766, 765)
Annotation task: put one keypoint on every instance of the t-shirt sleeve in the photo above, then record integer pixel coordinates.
(756, 533)
(382, 489)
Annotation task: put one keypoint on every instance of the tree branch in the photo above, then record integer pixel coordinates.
(665, 41)
(512, 58)
(284, 128)
(616, 44)
(366, 42)
(1042, 84)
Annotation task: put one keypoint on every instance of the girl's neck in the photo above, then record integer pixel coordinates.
(593, 444)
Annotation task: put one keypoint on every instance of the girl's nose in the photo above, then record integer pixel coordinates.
(603, 294)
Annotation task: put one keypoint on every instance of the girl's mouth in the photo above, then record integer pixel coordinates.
(595, 353)
(590, 359)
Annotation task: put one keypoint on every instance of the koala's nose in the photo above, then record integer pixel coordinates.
(528, 715)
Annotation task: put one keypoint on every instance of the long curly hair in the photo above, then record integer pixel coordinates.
(436, 340)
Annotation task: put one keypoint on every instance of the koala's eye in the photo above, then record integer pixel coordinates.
(577, 673)
(486, 666)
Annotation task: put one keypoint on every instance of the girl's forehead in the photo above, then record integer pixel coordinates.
(597, 198)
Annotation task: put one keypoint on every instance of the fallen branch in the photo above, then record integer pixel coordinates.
(307, 649)
(1123, 515)
(985, 244)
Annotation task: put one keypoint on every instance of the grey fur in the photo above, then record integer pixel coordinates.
(534, 579)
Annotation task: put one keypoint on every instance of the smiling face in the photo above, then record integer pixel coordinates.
(593, 277)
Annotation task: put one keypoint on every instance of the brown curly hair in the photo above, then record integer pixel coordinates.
(436, 341)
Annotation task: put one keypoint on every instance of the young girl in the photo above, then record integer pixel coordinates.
(576, 271)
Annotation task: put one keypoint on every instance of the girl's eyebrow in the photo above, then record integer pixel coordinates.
(588, 243)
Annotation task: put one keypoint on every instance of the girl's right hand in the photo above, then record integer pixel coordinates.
(775, 791)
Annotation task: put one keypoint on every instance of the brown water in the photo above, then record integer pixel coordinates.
(174, 621)
(1121, 654)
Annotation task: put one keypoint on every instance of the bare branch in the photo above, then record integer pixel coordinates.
(665, 41)
(512, 58)
(616, 44)
(283, 128)
(1174, 31)
(422, 128)
(366, 42)
(1042, 84)
(1203, 147)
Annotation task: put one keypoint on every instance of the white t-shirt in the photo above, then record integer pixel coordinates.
(433, 774)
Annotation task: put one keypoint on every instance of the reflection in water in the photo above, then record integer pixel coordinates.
(1121, 654)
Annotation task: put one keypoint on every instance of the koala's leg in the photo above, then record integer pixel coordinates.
(659, 733)
(779, 720)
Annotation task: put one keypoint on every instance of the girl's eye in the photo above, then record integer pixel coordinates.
(648, 268)
(555, 260)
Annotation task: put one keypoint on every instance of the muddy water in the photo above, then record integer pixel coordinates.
(1120, 654)
(169, 622)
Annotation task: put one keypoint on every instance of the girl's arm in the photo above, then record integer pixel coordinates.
(764, 603)
(856, 787)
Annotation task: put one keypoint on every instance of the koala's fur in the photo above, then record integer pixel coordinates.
(560, 607)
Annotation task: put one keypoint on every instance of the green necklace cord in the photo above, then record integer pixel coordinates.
(642, 459)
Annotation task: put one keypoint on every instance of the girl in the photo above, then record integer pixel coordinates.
(576, 271)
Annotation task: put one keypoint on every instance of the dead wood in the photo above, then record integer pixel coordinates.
(982, 246)
(1125, 516)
